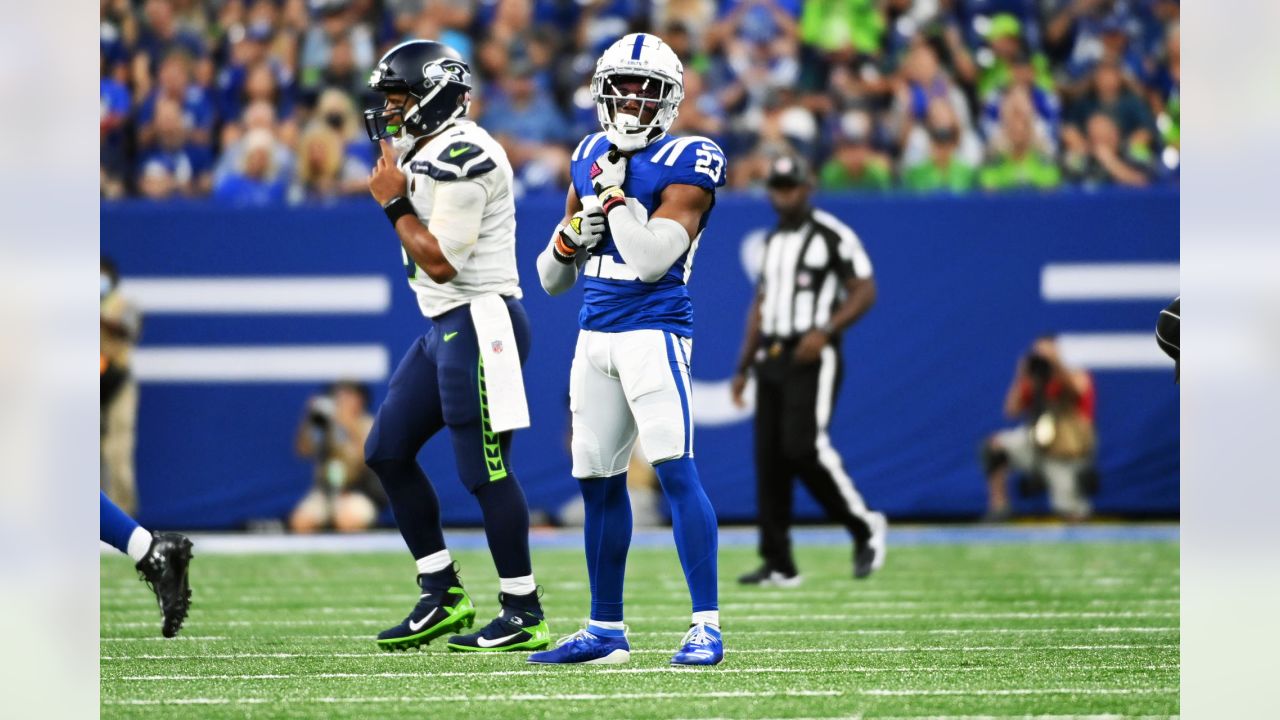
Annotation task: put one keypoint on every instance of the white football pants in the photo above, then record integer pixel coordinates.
(626, 383)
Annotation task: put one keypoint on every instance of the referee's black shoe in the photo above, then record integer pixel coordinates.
(869, 556)
(164, 570)
(765, 576)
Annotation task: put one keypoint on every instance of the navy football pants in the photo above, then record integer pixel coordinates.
(439, 384)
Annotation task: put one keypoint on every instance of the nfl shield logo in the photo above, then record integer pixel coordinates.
(497, 346)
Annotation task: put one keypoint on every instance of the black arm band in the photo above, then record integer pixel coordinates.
(396, 208)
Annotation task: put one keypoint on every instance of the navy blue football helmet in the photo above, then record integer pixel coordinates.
(435, 77)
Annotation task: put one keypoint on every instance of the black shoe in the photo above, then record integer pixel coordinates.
(520, 626)
(868, 555)
(766, 576)
(443, 607)
(164, 570)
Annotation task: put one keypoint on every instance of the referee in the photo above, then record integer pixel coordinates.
(814, 283)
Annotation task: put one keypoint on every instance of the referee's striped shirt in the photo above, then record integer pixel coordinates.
(803, 274)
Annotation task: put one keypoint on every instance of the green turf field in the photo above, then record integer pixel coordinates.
(956, 630)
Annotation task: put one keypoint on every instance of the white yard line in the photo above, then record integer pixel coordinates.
(726, 610)
(647, 651)
(517, 697)
(745, 632)
(585, 670)
(875, 692)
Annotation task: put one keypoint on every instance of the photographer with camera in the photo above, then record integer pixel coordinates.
(346, 495)
(1055, 444)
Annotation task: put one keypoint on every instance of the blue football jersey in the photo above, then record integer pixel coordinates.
(615, 299)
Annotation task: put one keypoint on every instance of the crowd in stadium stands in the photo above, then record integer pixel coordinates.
(258, 101)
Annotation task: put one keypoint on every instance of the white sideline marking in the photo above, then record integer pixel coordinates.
(649, 651)
(1109, 281)
(519, 697)
(582, 670)
(338, 294)
(265, 363)
(1023, 691)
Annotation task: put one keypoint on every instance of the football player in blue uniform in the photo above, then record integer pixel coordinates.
(446, 186)
(162, 561)
(637, 208)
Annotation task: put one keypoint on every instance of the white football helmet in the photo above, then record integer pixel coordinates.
(638, 75)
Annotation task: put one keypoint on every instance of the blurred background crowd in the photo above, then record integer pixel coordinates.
(257, 102)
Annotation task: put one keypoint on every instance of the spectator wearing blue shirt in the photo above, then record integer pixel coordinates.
(531, 129)
(160, 35)
(332, 21)
(258, 116)
(1086, 31)
(173, 167)
(174, 83)
(1110, 96)
(255, 182)
(247, 51)
(113, 113)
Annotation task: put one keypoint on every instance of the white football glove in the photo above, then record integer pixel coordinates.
(608, 173)
(583, 231)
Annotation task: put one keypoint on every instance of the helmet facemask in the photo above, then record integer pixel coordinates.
(635, 106)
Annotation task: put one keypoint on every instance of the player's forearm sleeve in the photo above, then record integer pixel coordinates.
(456, 212)
(556, 276)
(650, 249)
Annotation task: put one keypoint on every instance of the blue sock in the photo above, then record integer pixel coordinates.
(693, 522)
(114, 526)
(607, 531)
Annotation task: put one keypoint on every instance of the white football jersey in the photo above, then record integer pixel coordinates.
(465, 152)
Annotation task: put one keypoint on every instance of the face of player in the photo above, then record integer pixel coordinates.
(638, 96)
(396, 101)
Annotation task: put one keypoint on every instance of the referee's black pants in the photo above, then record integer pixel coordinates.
(793, 408)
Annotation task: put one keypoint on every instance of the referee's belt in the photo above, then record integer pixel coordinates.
(776, 347)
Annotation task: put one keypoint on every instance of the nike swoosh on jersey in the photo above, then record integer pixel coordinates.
(455, 152)
(485, 642)
(416, 626)
(449, 336)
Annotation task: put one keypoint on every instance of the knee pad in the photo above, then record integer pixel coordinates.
(993, 458)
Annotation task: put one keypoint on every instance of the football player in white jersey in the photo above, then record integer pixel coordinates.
(445, 185)
(637, 208)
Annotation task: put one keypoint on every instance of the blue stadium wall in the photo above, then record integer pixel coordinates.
(962, 291)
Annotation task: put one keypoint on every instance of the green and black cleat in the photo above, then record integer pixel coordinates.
(520, 626)
(438, 612)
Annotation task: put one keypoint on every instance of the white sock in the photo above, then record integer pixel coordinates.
(139, 544)
(517, 586)
(608, 625)
(710, 617)
(435, 562)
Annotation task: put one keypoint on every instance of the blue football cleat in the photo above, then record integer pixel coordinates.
(586, 648)
(702, 645)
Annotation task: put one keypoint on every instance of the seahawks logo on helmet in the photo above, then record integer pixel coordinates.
(436, 81)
